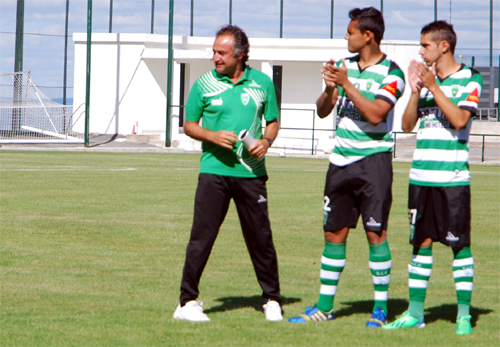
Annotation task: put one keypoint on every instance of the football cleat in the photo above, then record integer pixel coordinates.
(378, 318)
(463, 325)
(405, 321)
(192, 312)
(313, 314)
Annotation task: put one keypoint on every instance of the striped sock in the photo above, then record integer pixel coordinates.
(332, 264)
(463, 273)
(420, 270)
(380, 266)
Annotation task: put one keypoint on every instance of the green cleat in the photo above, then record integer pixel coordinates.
(463, 325)
(405, 321)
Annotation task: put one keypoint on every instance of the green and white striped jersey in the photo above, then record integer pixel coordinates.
(356, 138)
(223, 105)
(441, 158)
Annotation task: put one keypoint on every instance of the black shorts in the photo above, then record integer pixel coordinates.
(439, 213)
(363, 187)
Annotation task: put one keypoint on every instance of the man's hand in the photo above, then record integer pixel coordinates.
(259, 148)
(414, 77)
(224, 138)
(333, 75)
(427, 76)
(327, 72)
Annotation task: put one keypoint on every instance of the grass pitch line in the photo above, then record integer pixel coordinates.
(67, 168)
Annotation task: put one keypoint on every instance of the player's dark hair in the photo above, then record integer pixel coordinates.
(240, 39)
(441, 31)
(369, 18)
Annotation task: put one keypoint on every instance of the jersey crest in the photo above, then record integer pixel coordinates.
(369, 84)
(245, 98)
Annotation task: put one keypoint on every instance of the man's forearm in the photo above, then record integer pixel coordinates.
(271, 130)
(410, 115)
(195, 131)
(374, 111)
(327, 101)
(226, 139)
(455, 115)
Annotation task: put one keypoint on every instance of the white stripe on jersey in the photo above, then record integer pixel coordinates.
(441, 155)
(348, 143)
(462, 73)
(443, 134)
(340, 160)
(387, 95)
(377, 68)
(439, 176)
(349, 124)
(211, 86)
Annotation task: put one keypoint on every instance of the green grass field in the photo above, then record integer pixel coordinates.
(92, 248)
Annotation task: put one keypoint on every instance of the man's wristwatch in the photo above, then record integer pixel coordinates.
(269, 140)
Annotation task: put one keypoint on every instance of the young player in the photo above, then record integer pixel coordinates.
(365, 88)
(445, 96)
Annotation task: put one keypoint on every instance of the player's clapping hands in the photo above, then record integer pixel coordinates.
(333, 75)
(420, 75)
(327, 72)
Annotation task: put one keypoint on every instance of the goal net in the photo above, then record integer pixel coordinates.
(27, 115)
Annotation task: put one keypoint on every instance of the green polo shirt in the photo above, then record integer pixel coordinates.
(222, 105)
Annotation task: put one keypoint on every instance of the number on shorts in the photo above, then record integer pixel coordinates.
(412, 214)
(326, 204)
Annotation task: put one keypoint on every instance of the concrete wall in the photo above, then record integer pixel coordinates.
(129, 78)
(485, 127)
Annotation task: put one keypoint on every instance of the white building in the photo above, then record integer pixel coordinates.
(129, 82)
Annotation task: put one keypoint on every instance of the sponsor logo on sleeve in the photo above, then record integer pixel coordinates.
(474, 96)
(391, 88)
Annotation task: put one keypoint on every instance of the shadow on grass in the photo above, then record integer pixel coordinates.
(396, 308)
(446, 312)
(237, 302)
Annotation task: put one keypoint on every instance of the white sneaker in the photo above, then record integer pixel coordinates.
(273, 311)
(192, 312)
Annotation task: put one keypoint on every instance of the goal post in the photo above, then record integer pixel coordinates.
(29, 116)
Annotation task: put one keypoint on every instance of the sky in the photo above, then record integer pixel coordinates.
(44, 25)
